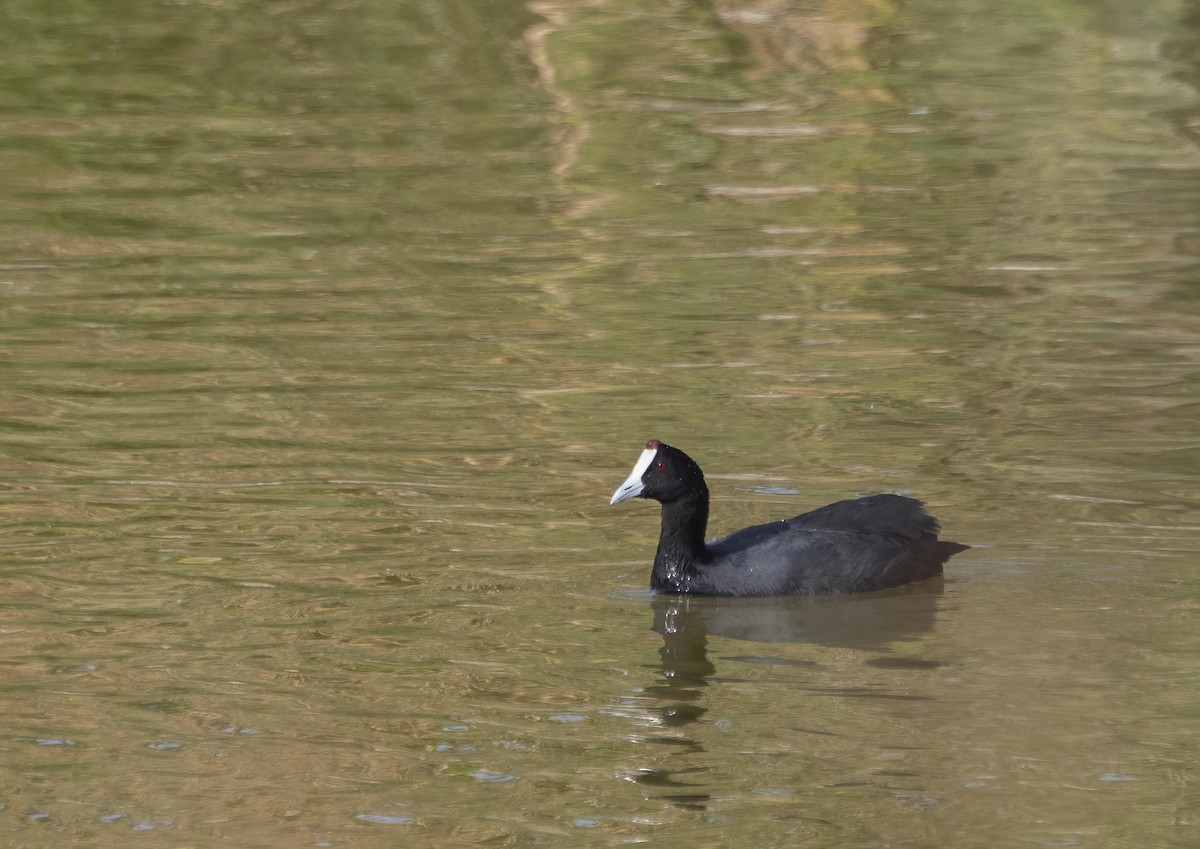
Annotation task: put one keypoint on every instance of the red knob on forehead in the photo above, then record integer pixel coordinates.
(654, 445)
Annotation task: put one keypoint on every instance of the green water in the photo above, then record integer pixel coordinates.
(327, 331)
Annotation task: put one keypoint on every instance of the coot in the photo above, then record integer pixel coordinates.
(863, 544)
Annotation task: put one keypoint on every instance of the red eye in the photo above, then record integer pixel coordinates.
(660, 465)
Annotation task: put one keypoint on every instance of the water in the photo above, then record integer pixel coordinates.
(328, 332)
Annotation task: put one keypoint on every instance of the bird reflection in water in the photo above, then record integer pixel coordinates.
(866, 622)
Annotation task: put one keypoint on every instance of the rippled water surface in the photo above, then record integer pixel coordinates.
(328, 331)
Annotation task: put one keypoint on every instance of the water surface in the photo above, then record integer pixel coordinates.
(328, 332)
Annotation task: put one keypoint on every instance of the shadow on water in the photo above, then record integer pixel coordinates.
(868, 622)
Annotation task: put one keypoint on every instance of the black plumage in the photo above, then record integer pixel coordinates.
(863, 544)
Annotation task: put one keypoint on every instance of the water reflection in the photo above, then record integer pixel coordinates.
(864, 621)
(869, 622)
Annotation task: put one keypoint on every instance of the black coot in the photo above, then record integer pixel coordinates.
(864, 544)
